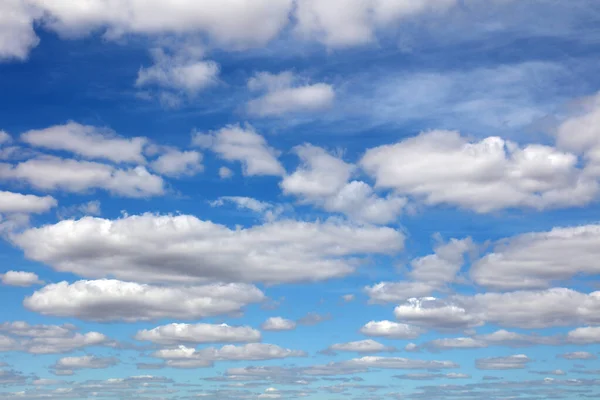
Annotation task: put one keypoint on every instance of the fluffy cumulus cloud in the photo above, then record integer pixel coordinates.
(66, 365)
(17, 36)
(518, 361)
(390, 330)
(361, 346)
(198, 333)
(429, 312)
(283, 93)
(49, 339)
(113, 300)
(443, 167)
(278, 324)
(344, 23)
(242, 144)
(88, 141)
(176, 163)
(586, 335)
(11, 202)
(54, 173)
(323, 179)
(20, 278)
(228, 23)
(429, 273)
(177, 74)
(186, 357)
(536, 260)
(184, 249)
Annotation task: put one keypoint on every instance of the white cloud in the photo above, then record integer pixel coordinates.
(580, 132)
(535, 260)
(234, 143)
(89, 142)
(518, 361)
(361, 346)
(322, 180)
(429, 273)
(457, 343)
(198, 333)
(20, 278)
(17, 36)
(175, 163)
(284, 93)
(397, 363)
(278, 324)
(25, 203)
(430, 312)
(535, 309)
(4, 137)
(179, 72)
(586, 335)
(344, 23)
(84, 362)
(225, 173)
(243, 203)
(228, 23)
(442, 167)
(390, 330)
(348, 298)
(185, 357)
(53, 173)
(578, 355)
(112, 300)
(140, 247)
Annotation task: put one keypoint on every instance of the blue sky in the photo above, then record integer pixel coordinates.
(280, 199)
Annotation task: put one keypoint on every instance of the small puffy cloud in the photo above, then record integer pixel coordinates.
(241, 202)
(185, 357)
(284, 93)
(173, 334)
(578, 355)
(426, 376)
(138, 247)
(348, 298)
(498, 338)
(586, 335)
(580, 133)
(70, 364)
(390, 330)
(182, 73)
(443, 167)
(176, 163)
(20, 278)
(11, 202)
(225, 173)
(535, 260)
(362, 346)
(346, 23)
(429, 273)
(457, 343)
(322, 179)
(113, 300)
(4, 137)
(535, 309)
(278, 324)
(430, 312)
(17, 36)
(313, 318)
(89, 142)
(53, 173)
(518, 361)
(50, 339)
(243, 144)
